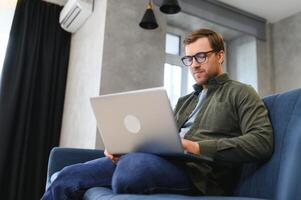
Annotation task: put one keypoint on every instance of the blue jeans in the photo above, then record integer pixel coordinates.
(138, 173)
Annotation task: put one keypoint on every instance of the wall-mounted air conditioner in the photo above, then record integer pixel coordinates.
(75, 13)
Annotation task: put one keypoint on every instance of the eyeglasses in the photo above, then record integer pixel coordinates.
(200, 57)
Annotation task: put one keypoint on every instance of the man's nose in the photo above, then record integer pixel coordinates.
(195, 63)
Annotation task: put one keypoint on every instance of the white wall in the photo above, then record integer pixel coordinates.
(79, 125)
(242, 60)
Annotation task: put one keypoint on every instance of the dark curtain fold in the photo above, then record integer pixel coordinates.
(32, 93)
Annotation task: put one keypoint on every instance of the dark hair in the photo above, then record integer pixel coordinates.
(215, 39)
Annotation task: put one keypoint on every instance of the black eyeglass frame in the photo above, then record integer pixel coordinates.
(195, 56)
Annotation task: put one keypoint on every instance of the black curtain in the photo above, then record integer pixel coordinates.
(32, 92)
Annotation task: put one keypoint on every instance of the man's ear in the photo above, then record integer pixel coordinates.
(221, 56)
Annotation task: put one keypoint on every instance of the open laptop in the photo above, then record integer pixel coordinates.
(139, 121)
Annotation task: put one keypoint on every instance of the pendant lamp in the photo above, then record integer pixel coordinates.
(170, 7)
(149, 21)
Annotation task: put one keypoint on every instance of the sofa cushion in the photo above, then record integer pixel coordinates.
(279, 178)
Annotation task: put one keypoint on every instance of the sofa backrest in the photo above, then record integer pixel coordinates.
(280, 177)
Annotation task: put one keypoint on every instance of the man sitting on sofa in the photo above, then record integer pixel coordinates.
(223, 119)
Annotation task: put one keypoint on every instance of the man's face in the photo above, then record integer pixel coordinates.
(211, 66)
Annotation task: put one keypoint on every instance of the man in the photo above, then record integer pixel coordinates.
(222, 119)
(231, 123)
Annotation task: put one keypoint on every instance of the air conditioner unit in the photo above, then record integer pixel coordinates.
(75, 13)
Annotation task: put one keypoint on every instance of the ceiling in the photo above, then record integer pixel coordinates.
(189, 23)
(271, 10)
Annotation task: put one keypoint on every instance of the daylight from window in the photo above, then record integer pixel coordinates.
(172, 44)
(7, 8)
(177, 79)
(172, 82)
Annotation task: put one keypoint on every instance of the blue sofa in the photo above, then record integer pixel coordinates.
(277, 179)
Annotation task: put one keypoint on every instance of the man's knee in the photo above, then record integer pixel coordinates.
(134, 173)
(72, 180)
(124, 183)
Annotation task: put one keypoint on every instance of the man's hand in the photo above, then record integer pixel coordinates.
(190, 146)
(112, 157)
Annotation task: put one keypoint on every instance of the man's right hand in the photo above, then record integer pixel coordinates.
(112, 157)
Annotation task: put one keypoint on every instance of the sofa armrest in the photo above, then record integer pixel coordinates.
(62, 157)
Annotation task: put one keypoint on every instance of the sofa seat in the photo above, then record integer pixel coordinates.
(101, 193)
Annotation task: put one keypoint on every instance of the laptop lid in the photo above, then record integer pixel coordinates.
(137, 121)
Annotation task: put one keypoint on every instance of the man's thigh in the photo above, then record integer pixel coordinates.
(148, 173)
(96, 172)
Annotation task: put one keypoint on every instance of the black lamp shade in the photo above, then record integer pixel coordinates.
(149, 21)
(170, 7)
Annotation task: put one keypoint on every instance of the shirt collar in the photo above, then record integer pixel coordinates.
(213, 82)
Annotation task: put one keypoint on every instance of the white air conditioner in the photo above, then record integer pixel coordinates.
(75, 13)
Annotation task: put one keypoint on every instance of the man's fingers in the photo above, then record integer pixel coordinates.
(116, 158)
(108, 155)
(184, 143)
(111, 156)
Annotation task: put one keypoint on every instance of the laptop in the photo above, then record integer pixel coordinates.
(139, 121)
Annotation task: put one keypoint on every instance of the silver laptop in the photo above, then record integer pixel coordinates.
(139, 121)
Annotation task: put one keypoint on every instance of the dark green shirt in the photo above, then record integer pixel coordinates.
(232, 127)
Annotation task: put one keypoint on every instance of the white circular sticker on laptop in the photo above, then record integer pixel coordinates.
(132, 123)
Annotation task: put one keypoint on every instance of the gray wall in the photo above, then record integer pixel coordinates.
(133, 57)
(110, 53)
(287, 53)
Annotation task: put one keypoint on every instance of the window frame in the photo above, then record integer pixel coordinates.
(176, 59)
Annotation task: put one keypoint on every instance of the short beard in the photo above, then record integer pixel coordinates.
(205, 80)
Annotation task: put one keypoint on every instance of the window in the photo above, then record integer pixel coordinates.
(190, 83)
(172, 82)
(172, 44)
(177, 79)
(7, 8)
